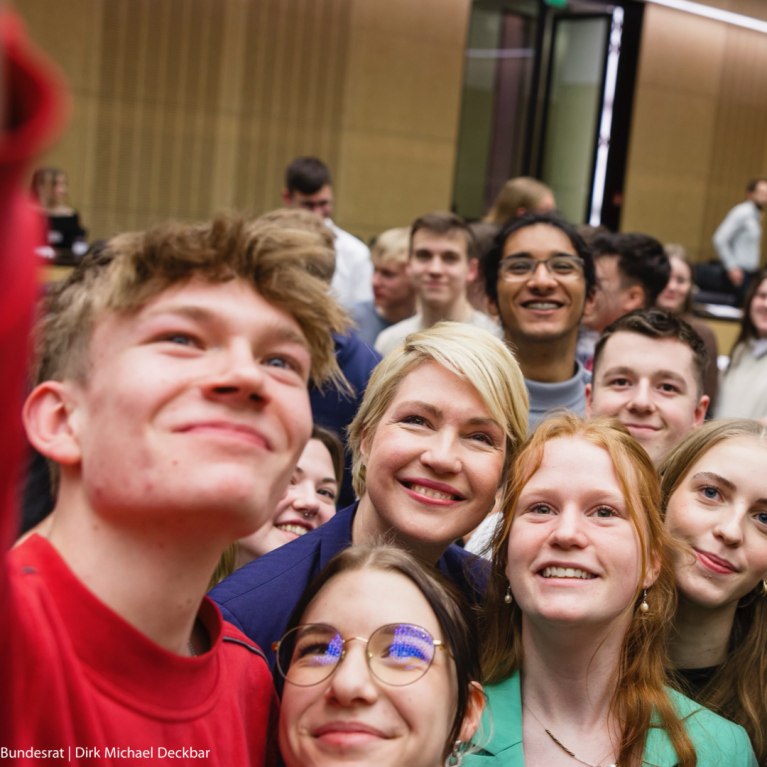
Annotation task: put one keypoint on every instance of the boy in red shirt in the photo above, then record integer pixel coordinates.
(172, 402)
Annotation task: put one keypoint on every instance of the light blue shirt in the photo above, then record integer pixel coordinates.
(738, 240)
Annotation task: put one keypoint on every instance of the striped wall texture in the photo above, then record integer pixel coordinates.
(184, 107)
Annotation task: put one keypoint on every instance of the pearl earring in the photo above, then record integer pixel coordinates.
(644, 607)
(508, 598)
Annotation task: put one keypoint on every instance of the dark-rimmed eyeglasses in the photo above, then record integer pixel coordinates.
(397, 654)
(521, 267)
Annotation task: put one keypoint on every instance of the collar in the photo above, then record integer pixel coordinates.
(336, 533)
(502, 718)
(119, 659)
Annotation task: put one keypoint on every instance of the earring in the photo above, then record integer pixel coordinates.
(508, 598)
(455, 757)
(764, 588)
(644, 607)
(363, 472)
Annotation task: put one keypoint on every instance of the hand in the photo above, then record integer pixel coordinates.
(736, 276)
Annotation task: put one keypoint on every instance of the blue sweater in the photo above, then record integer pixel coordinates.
(259, 598)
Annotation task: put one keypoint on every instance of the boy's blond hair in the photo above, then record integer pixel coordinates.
(474, 355)
(392, 247)
(282, 265)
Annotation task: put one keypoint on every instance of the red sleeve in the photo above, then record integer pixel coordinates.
(34, 108)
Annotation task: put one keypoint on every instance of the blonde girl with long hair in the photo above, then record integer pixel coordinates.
(714, 497)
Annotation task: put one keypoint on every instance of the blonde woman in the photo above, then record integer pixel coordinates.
(432, 442)
(581, 593)
(714, 489)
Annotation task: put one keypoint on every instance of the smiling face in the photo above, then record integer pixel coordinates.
(434, 463)
(678, 288)
(574, 555)
(351, 717)
(196, 402)
(540, 307)
(439, 267)
(309, 502)
(649, 385)
(758, 310)
(720, 510)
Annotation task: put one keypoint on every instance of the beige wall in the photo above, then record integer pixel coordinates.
(182, 107)
(700, 123)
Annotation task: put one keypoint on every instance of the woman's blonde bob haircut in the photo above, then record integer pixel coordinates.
(472, 354)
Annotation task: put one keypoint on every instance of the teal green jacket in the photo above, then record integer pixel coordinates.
(718, 742)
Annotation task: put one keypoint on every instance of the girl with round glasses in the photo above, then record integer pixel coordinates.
(574, 654)
(714, 489)
(380, 666)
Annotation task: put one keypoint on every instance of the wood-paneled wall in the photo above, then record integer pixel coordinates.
(183, 107)
(699, 129)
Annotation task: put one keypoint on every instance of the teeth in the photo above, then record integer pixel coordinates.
(566, 572)
(542, 305)
(295, 529)
(432, 493)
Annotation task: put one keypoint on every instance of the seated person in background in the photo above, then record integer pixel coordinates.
(580, 597)
(714, 487)
(442, 262)
(308, 186)
(432, 442)
(51, 189)
(648, 373)
(393, 293)
(677, 297)
(632, 271)
(540, 278)
(380, 666)
(309, 502)
(333, 405)
(744, 386)
(172, 401)
(519, 196)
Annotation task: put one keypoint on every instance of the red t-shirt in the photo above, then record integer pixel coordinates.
(78, 683)
(83, 678)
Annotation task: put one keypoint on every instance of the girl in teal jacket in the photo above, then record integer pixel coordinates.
(580, 598)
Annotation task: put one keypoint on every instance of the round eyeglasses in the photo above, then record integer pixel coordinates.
(521, 268)
(397, 654)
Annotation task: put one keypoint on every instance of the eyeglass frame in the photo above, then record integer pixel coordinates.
(438, 644)
(580, 270)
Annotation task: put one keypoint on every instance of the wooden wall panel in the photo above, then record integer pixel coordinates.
(700, 124)
(182, 107)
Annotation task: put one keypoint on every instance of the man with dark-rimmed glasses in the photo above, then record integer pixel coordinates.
(540, 278)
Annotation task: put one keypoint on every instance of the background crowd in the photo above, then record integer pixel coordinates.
(479, 492)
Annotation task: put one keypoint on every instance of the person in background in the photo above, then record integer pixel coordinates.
(308, 186)
(648, 373)
(393, 292)
(484, 238)
(432, 444)
(309, 502)
(573, 631)
(632, 271)
(50, 187)
(738, 239)
(380, 666)
(714, 491)
(540, 278)
(442, 262)
(334, 405)
(743, 393)
(676, 297)
(519, 196)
